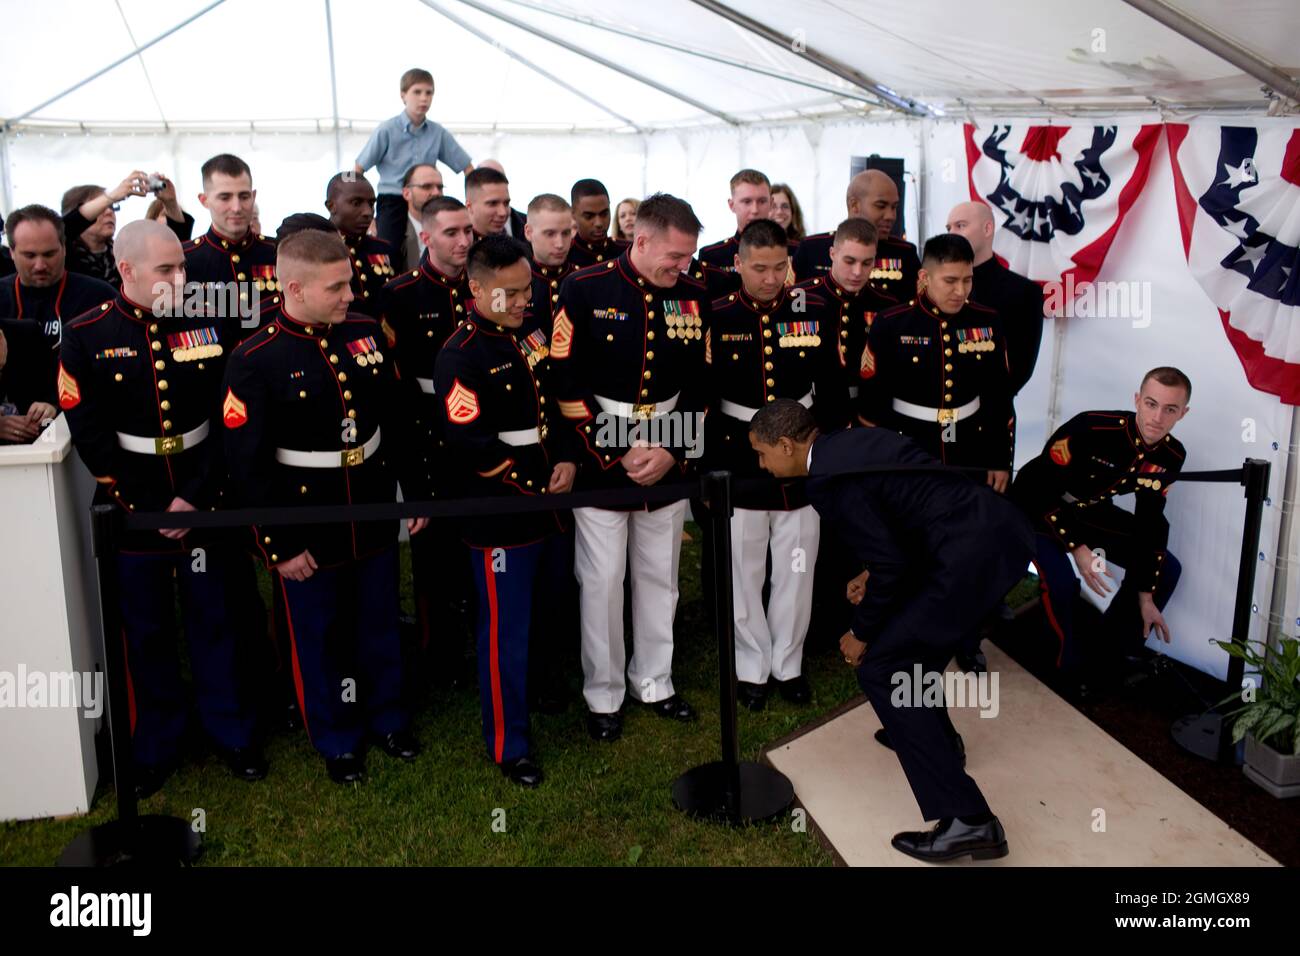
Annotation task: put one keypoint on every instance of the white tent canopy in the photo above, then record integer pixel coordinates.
(679, 94)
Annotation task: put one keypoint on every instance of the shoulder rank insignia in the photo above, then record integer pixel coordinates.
(69, 393)
(1061, 452)
(233, 412)
(462, 404)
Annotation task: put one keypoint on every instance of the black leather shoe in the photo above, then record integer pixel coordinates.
(245, 763)
(751, 696)
(523, 771)
(975, 663)
(604, 727)
(951, 839)
(149, 780)
(795, 690)
(672, 708)
(400, 744)
(882, 738)
(346, 768)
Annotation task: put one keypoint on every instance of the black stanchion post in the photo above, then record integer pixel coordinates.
(1206, 735)
(131, 838)
(728, 790)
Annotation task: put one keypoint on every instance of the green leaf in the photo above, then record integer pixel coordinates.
(634, 854)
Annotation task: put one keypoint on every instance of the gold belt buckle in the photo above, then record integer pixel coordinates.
(353, 456)
(947, 416)
(644, 410)
(168, 444)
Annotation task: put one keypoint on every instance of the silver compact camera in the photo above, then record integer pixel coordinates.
(156, 184)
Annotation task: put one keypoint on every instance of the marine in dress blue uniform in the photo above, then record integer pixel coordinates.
(141, 390)
(766, 342)
(491, 376)
(1068, 491)
(351, 203)
(312, 416)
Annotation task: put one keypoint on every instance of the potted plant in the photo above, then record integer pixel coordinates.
(1271, 721)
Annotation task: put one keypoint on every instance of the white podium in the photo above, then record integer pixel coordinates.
(49, 630)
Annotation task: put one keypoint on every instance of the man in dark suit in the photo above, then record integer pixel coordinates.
(941, 551)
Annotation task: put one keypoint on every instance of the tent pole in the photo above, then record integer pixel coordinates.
(1239, 56)
(334, 88)
(470, 28)
(116, 63)
(6, 190)
(1287, 546)
(701, 54)
(827, 63)
(595, 58)
(922, 183)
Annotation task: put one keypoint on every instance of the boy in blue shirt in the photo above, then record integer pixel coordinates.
(406, 140)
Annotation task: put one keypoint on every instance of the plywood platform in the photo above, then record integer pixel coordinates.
(1051, 775)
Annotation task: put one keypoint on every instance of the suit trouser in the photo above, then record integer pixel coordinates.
(442, 583)
(922, 736)
(211, 603)
(390, 222)
(770, 643)
(604, 540)
(347, 652)
(1060, 590)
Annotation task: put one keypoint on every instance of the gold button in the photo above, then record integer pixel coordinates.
(947, 383)
(343, 376)
(117, 376)
(162, 384)
(240, 276)
(767, 350)
(647, 374)
(429, 333)
(266, 541)
(648, 297)
(156, 346)
(771, 398)
(947, 351)
(765, 318)
(943, 325)
(916, 358)
(275, 558)
(334, 360)
(167, 425)
(352, 414)
(302, 394)
(948, 367)
(514, 474)
(165, 405)
(235, 259)
(609, 338)
(347, 396)
(947, 398)
(302, 490)
(767, 366)
(542, 399)
(153, 328)
(508, 386)
(735, 357)
(650, 356)
(645, 393)
(770, 383)
(528, 484)
(767, 333)
(650, 336)
(947, 338)
(160, 365)
(650, 314)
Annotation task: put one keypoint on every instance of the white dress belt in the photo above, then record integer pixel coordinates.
(167, 445)
(941, 415)
(746, 414)
(634, 410)
(345, 458)
(521, 436)
(426, 385)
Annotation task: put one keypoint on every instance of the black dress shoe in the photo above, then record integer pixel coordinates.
(345, 768)
(245, 763)
(751, 696)
(672, 708)
(975, 663)
(951, 839)
(400, 744)
(523, 771)
(795, 690)
(882, 738)
(604, 727)
(149, 780)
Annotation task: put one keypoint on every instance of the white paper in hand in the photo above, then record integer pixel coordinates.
(1091, 596)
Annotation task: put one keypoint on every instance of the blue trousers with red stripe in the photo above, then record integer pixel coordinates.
(210, 602)
(346, 652)
(1061, 597)
(505, 579)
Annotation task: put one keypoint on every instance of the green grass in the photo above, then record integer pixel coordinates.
(601, 804)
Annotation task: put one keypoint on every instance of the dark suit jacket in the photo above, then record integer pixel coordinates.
(408, 257)
(942, 549)
(30, 371)
(517, 222)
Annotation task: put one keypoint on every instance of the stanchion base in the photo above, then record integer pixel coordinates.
(764, 793)
(1206, 736)
(152, 841)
